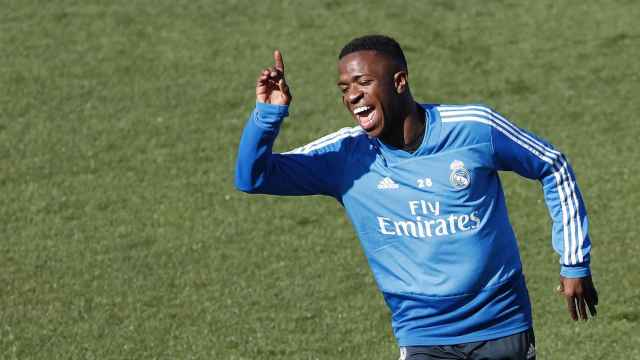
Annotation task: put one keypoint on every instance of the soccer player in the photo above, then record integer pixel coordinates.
(420, 185)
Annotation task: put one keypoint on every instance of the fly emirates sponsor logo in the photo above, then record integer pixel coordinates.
(427, 221)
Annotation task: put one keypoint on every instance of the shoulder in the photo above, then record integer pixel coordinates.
(471, 121)
(466, 115)
(336, 141)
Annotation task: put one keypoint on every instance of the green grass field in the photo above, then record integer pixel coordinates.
(122, 236)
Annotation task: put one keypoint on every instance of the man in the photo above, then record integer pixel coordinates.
(420, 185)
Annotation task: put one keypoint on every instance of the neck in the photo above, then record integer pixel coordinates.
(408, 132)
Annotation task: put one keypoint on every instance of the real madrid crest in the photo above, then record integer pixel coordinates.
(460, 177)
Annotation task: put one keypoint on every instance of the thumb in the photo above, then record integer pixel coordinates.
(283, 87)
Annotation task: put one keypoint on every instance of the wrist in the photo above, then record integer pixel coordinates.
(277, 110)
(269, 116)
(575, 271)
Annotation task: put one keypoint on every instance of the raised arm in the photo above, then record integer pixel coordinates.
(258, 170)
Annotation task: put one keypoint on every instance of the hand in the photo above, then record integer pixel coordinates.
(271, 88)
(580, 294)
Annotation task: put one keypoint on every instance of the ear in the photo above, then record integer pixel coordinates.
(400, 81)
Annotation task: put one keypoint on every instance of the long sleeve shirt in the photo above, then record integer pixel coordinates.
(433, 223)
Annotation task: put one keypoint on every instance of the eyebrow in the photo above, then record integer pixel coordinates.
(353, 78)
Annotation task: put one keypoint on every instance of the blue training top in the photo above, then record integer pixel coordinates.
(433, 223)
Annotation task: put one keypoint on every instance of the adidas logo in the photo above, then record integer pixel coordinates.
(387, 183)
(531, 353)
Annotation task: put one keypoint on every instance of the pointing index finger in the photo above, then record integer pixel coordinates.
(277, 57)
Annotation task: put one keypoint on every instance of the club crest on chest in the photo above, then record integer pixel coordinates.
(460, 178)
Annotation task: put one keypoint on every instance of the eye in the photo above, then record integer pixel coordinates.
(365, 82)
(343, 88)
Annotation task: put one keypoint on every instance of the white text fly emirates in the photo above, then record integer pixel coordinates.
(428, 222)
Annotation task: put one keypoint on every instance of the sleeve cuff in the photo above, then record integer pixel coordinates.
(272, 109)
(269, 116)
(576, 271)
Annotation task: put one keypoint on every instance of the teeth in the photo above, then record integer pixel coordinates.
(360, 109)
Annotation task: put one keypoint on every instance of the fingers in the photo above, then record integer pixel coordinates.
(277, 58)
(582, 310)
(571, 306)
(591, 298)
(272, 74)
(580, 295)
(271, 87)
(262, 78)
(269, 77)
(263, 87)
(282, 86)
(592, 308)
(591, 292)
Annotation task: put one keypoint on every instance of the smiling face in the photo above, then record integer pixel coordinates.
(371, 84)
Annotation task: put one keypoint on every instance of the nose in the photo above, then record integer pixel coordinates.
(354, 95)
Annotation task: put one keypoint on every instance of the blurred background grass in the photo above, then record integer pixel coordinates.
(121, 235)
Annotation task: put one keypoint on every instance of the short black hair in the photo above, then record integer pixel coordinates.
(380, 43)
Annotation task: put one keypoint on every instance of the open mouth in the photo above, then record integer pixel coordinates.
(365, 115)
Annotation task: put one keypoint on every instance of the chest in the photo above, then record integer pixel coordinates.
(448, 179)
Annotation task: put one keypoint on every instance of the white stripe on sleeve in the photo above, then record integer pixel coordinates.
(564, 183)
(327, 140)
